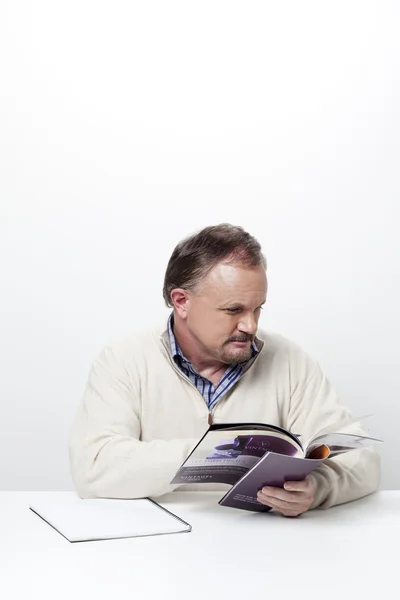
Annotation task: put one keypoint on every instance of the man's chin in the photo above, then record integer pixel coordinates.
(236, 356)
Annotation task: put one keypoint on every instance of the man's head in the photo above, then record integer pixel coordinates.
(216, 282)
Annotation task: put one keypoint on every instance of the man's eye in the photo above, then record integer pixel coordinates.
(233, 310)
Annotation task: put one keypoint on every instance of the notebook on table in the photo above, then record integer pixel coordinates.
(81, 520)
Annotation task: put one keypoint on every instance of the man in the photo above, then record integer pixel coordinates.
(150, 398)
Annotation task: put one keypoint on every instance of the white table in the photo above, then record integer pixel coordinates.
(348, 552)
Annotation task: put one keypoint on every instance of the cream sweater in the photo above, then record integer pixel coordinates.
(140, 417)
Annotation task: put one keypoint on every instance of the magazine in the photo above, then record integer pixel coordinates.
(249, 456)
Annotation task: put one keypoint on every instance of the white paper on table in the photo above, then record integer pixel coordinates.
(81, 520)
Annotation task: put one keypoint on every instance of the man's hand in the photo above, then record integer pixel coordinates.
(294, 499)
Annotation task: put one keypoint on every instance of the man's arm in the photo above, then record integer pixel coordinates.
(314, 406)
(106, 455)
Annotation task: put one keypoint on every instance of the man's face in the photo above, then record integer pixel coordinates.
(222, 315)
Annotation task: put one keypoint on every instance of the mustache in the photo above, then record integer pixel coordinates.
(242, 338)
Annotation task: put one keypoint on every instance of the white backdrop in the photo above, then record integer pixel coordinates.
(125, 126)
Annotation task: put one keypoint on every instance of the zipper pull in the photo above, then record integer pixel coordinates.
(210, 419)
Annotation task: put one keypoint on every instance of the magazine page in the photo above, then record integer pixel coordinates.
(338, 443)
(224, 456)
(260, 427)
(335, 427)
(274, 470)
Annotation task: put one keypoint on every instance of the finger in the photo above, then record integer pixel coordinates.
(298, 486)
(292, 512)
(295, 512)
(281, 505)
(264, 500)
(280, 494)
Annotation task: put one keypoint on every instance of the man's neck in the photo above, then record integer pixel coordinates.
(207, 366)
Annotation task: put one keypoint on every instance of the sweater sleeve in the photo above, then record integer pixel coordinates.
(107, 458)
(314, 406)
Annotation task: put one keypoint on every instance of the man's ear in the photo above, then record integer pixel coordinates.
(180, 300)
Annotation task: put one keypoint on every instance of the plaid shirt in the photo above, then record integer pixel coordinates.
(210, 393)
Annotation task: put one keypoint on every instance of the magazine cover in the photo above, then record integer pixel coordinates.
(272, 470)
(224, 456)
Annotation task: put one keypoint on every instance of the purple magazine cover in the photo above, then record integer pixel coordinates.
(274, 470)
(230, 459)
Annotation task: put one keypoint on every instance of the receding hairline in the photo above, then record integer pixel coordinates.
(230, 262)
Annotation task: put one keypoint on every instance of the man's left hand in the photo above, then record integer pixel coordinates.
(295, 498)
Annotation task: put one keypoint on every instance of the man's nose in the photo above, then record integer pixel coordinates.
(248, 324)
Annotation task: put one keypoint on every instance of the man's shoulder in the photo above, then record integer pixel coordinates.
(136, 345)
(279, 345)
(145, 335)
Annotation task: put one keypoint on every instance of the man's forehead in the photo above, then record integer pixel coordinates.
(235, 276)
(250, 301)
(227, 283)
